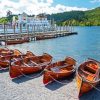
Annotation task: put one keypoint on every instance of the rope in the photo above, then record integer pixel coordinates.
(35, 75)
(94, 87)
(63, 84)
(91, 83)
(58, 81)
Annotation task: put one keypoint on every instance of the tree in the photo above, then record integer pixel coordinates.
(3, 20)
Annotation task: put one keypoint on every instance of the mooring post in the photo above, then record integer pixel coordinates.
(60, 29)
(20, 28)
(43, 28)
(56, 30)
(33, 29)
(14, 28)
(28, 31)
(5, 35)
(66, 28)
(4, 28)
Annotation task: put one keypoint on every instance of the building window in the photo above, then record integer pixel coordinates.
(24, 25)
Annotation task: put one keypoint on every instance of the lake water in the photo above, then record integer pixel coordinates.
(82, 46)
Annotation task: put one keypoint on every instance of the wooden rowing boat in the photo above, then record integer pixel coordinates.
(5, 51)
(58, 70)
(7, 58)
(87, 77)
(12, 42)
(18, 41)
(29, 65)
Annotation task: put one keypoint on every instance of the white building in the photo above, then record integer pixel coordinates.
(40, 21)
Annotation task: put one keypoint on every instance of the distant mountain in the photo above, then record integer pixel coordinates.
(82, 18)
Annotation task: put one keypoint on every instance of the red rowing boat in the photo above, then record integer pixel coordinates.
(18, 41)
(29, 65)
(88, 76)
(58, 70)
(6, 59)
(5, 51)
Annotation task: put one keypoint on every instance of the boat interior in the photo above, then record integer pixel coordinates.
(60, 66)
(88, 70)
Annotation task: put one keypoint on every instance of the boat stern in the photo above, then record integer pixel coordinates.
(46, 78)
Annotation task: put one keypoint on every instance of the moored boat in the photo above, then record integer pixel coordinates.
(29, 65)
(5, 60)
(87, 77)
(5, 51)
(58, 70)
(6, 56)
(20, 41)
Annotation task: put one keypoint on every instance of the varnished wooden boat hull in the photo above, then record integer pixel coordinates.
(87, 76)
(50, 76)
(4, 53)
(59, 70)
(83, 86)
(25, 68)
(4, 65)
(16, 71)
(44, 37)
(16, 42)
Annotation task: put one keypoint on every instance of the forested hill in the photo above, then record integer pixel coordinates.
(82, 18)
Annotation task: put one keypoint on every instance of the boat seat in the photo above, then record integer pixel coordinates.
(26, 64)
(90, 78)
(30, 64)
(57, 68)
(87, 72)
(43, 64)
(90, 69)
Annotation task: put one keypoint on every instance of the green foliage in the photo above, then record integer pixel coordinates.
(81, 18)
(3, 20)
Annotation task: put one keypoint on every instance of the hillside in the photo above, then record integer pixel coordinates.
(82, 18)
(76, 18)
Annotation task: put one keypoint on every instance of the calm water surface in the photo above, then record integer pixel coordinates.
(85, 44)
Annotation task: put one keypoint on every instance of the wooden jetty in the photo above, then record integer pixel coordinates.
(35, 36)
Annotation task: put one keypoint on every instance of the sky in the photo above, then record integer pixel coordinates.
(45, 6)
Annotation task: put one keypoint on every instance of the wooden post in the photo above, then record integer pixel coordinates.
(63, 28)
(60, 29)
(43, 28)
(14, 28)
(34, 29)
(28, 31)
(5, 35)
(56, 29)
(4, 28)
(20, 28)
(66, 28)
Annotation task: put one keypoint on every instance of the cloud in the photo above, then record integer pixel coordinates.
(33, 7)
(95, 1)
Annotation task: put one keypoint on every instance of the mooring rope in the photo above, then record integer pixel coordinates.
(98, 63)
(63, 83)
(35, 75)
